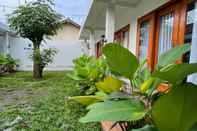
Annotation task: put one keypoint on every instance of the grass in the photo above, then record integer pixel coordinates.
(30, 105)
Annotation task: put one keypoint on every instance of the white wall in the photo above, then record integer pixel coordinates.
(66, 42)
(125, 16)
(19, 49)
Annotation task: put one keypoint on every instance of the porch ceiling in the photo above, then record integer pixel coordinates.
(96, 16)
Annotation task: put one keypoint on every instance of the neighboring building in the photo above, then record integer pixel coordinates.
(4, 38)
(66, 42)
(147, 27)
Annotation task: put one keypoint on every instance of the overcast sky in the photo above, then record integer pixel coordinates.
(76, 9)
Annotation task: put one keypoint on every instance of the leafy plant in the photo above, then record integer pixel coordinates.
(45, 57)
(176, 111)
(7, 63)
(145, 107)
(88, 71)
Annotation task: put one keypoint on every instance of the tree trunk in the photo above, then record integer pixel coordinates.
(37, 73)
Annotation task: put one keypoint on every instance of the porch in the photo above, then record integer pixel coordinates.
(153, 28)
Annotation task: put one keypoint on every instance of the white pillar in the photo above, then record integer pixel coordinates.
(193, 55)
(7, 43)
(110, 22)
(92, 43)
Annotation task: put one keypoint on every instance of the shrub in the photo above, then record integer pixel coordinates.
(44, 58)
(7, 64)
(87, 71)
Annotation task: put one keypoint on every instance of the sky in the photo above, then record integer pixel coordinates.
(75, 9)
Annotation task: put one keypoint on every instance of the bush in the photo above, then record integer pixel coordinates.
(44, 58)
(7, 64)
(87, 71)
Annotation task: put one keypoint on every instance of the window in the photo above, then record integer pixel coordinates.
(160, 30)
(165, 33)
(122, 36)
(144, 40)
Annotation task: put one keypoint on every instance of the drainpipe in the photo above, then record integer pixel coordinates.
(7, 43)
(110, 22)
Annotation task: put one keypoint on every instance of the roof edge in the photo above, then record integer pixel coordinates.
(70, 21)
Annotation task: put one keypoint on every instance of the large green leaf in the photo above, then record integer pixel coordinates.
(87, 100)
(120, 60)
(109, 85)
(176, 111)
(115, 111)
(176, 73)
(172, 55)
(146, 128)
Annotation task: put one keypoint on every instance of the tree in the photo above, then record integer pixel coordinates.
(36, 21)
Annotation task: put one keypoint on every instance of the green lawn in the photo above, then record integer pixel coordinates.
(30, 105)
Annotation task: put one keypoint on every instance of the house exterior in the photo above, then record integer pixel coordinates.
(66, 42)
(147, 28)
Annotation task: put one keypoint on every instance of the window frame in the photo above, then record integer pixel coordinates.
(180, 9)
(151, 18)
(119, 35)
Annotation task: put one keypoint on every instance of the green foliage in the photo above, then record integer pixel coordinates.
(88, 71)
(35, 20)
(121, 60)
(7, 63)
(87, 100)
(170, 111)
(177, 110)
(147, 84)
(172, 55)
(147, 128)
(109, 85)
(142, 74)
(115, 111)
(176, 73)
(45, 57)
(194, 127)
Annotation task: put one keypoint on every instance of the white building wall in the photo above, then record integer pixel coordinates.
(19, 49)
(66, 42)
